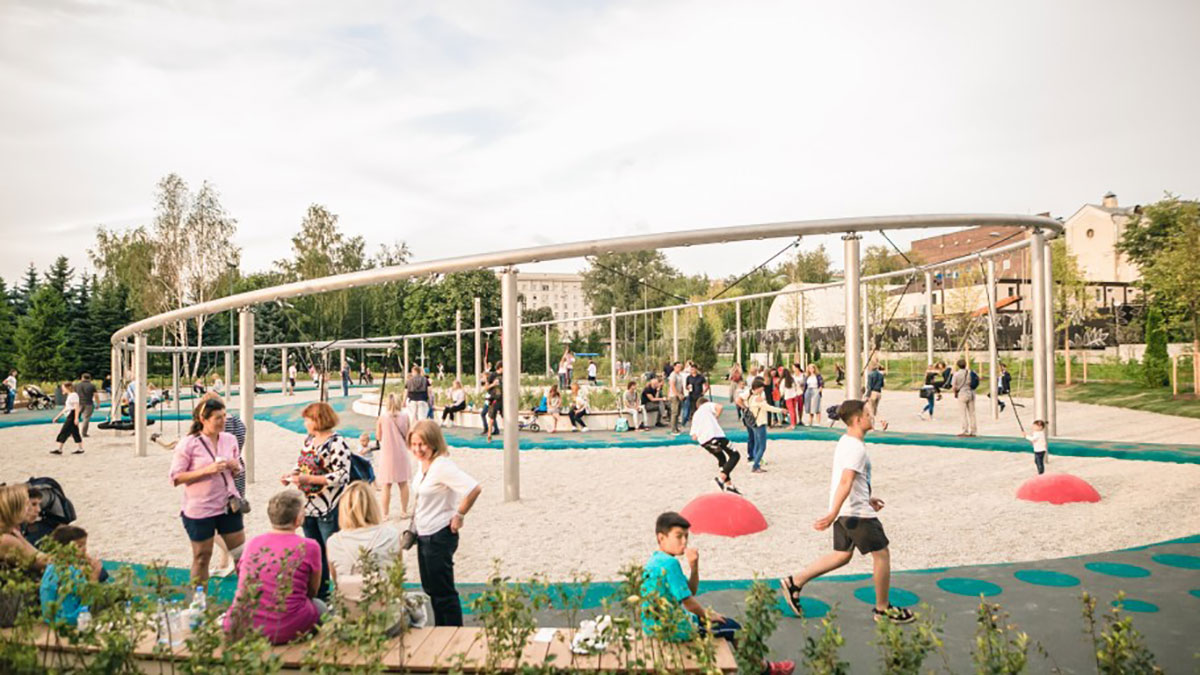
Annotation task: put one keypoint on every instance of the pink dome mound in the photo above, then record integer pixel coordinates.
(1057, 488)
(724, 514)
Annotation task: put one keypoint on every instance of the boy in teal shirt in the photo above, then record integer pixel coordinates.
(64, 605)
(663, 576)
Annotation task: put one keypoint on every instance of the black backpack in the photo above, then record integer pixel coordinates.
(974, 382)
(361, 469)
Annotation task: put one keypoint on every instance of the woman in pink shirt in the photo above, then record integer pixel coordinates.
(280, 555)
(205, 462)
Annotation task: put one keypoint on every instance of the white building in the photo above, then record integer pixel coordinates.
(562, 293)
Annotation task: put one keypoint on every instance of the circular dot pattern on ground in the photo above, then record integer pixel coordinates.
(1195, 592)
(1132, 605)
(1113, 569)
(897, 596)
(969, 587)
(1046, 578)
(1187, 562)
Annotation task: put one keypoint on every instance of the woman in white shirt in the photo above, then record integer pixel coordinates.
(792, 391)
(553, 406)
(458, 402)
(70, 427)
(361, 529)
(445, 494)
(579, 408)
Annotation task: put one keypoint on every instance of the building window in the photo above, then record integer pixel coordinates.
(1099, 295)
(1007, 265)
(1091, 233)
(545, 287)
(1011, 291)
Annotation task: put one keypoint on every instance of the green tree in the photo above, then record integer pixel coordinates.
(108, 310)
(627, 281)
(1155, 362)
(704, 347)
(320, 249)
(881, 260)
(809, 267)
(23, 292)
(8, 327)
(1163, 242)
(41, 338)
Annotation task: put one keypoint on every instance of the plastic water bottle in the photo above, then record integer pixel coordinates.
(84, 618)
(195, 613)
(199, 599)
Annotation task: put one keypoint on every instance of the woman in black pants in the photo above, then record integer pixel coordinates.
(445, 494)
(70, 427)
(458, 402)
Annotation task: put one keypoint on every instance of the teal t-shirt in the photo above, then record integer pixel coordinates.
(68, 603)
(664, 575)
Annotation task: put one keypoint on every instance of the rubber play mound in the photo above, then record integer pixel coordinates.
(724, 514)
(1057, 488)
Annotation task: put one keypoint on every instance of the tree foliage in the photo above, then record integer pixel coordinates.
(704, 347)
(809, 267)
(41, 338)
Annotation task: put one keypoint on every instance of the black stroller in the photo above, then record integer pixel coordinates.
(56, 509)
(38, 400)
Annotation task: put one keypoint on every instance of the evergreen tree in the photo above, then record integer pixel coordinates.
(80, 336)
(8, 327)
(704, 347)
(1155, 362)
(41, 338)
(23, 292)
(108, 310)
(59, 276)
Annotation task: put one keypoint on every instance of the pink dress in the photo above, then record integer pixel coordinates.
(393, 463)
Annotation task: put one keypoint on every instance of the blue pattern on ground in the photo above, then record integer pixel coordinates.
(1131, 605)
(1187, 562)
(1046, 578)
(969, 587)
(896, 596)
(1113, 569)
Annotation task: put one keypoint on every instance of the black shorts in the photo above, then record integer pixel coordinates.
(202, 529)
(865, 534)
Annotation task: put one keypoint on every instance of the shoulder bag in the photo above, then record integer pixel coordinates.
(408, 538)
(236, 504)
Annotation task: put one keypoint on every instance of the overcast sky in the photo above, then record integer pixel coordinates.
(464, 127)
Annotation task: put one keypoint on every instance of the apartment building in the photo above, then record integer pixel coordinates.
(562, 293)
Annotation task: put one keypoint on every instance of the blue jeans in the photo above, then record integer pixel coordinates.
(751, 444)
(483, 415)
(929, 405)
(9, 399)
(725, 630)
(687, 409)
(759, 434)
(321, 529)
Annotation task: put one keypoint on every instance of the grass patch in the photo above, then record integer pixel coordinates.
(1125, 395)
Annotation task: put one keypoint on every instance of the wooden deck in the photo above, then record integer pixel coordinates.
(428, 650)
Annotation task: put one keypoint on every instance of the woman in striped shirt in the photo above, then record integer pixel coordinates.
(322, 473)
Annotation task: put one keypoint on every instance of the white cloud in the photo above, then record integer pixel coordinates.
(512, 124)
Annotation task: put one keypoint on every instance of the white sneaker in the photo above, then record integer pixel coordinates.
(585, 429)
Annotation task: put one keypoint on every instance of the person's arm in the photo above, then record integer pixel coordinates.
(839, 498)
(464, 507)
(23, 550)
(693, 605)
(314, 574)
(693, 557)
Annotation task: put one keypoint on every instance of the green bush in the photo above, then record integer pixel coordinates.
(759, 620)
(1156, 365)
(1119, 648)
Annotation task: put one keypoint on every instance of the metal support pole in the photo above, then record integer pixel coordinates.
(137, 407)
(424, 365)
(929, 318)
(612, 336)
(342, 362)
(510, 346)
(548, 371)
(803, 335)
(1037, 320)
(407, 368)
(737, 313)
(458, 345)
(853, 293)
(993, 356)
(174, 383)
(283, 367)
(114, 378)
(228, 393)
(247, 377)
(1051, 402)
(866, 327)
(674, 335)
(520, 356)
(478, 347)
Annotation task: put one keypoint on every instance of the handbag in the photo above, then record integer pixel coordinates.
(748, 418)
(408, 538)
(236, 504)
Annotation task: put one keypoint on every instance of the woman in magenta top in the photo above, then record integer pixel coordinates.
(280, 618)
(205, 462)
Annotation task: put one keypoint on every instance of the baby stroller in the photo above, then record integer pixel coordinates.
(38, 400)
(56, 509)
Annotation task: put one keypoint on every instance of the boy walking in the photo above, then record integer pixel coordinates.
(663, 577)
(852, 510)
(707, 431)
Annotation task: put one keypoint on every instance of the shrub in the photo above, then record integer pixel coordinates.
(1119, 648)
(821, 652)
(999, 647)
(903, 651)
(759, 620)
(1156, 365)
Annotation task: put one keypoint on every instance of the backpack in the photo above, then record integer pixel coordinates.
(621, 425)
(361, 469)
(974, 382)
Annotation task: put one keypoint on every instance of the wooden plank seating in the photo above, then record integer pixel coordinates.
(421, 650)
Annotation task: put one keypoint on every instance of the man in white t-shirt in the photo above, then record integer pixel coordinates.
(852, 510)
(707, 431)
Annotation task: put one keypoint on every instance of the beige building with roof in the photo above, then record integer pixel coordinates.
(562, 293)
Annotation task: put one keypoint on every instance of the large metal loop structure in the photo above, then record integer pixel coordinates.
(1041, 315)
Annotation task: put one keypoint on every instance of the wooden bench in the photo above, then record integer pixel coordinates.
(428, 650)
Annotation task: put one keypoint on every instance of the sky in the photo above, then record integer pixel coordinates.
(480, 126)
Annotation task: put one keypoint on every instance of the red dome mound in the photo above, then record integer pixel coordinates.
(724, 514)
(1057, 488)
